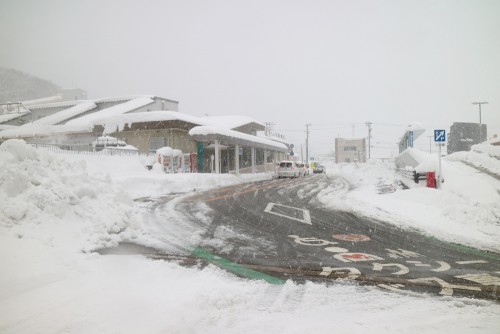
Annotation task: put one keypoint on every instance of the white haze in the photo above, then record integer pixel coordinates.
(333, 64)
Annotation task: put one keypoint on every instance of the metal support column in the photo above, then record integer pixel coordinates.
(253, 159)
(237, 159)
(217, 157)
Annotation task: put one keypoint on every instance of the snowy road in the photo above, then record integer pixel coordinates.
(280, 228)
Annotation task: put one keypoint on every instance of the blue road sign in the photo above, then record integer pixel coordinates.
(411, 138)
(440, 136)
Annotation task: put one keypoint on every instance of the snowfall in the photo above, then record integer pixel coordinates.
(57, 209)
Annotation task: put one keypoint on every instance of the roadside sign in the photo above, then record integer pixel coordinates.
(411, 138)
(440, 136)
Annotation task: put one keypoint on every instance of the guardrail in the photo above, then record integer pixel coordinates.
(412, 175)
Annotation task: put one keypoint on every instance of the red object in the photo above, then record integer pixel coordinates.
(193, 163)
(431, 179)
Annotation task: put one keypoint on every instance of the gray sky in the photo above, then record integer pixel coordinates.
(333, 64)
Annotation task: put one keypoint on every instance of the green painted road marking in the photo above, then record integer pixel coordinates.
(467, 250)
(234, 267)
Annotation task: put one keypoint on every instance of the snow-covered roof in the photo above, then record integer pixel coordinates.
(262, 134)
(66, 114)
(44, 100)
(62, 104)
(8, 117)
(229, 122)
(226, 136)
(122, 98)
(6, 127)
(40, 130)
(119, 122)
(119, 109)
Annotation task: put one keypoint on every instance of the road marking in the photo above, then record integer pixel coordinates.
(471, 262)
(312, 241)
(351, 273)
(336, 250)
(418, 264)
(401, 253)
(351, 237)
(356, 257)
(443, 266)
(305, 213)
(234, 267)
(395, 288)
(403, 269)
(447, 288)
(483, 279)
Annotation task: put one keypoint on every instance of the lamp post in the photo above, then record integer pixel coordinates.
(480, 123)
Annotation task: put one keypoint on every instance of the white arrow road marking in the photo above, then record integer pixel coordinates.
(403, 269)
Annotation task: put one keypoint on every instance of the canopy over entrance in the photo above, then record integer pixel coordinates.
(210, 134)
(220, 136)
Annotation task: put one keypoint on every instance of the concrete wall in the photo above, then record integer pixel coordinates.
(350, 150)
(151, 140)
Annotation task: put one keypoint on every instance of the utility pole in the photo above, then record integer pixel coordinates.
(369, 125)
(480, 124)
(307, 142)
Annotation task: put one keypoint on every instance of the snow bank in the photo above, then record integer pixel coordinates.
(42, 195)
(466, 210)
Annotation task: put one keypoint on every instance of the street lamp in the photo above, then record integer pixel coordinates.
(480, 124)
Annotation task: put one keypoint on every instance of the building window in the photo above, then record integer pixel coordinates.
(350, 148)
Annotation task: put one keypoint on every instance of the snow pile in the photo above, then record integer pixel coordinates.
(41, 193)
(482, 156)
(465, 210)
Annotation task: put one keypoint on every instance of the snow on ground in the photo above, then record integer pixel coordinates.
(55, 208)
(466, 210)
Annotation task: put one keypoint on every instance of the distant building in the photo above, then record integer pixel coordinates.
(350, 150)
(73, 94)
(463, 135)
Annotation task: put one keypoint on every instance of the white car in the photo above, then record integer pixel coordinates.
(288, 169)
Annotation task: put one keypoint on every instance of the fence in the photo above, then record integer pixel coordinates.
(412, 175)
(87, 150)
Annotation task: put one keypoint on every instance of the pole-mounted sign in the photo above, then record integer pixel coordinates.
(439, 137)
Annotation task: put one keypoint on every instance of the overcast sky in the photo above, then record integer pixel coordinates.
(331, 64)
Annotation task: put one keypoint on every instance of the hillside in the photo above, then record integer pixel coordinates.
(18, 86)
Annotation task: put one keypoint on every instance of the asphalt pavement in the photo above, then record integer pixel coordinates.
(280, 229)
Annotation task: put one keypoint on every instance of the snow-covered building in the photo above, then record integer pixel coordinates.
(230, 140)
(463, 135)
(350, 150)
(35, 111)
(149, 123)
